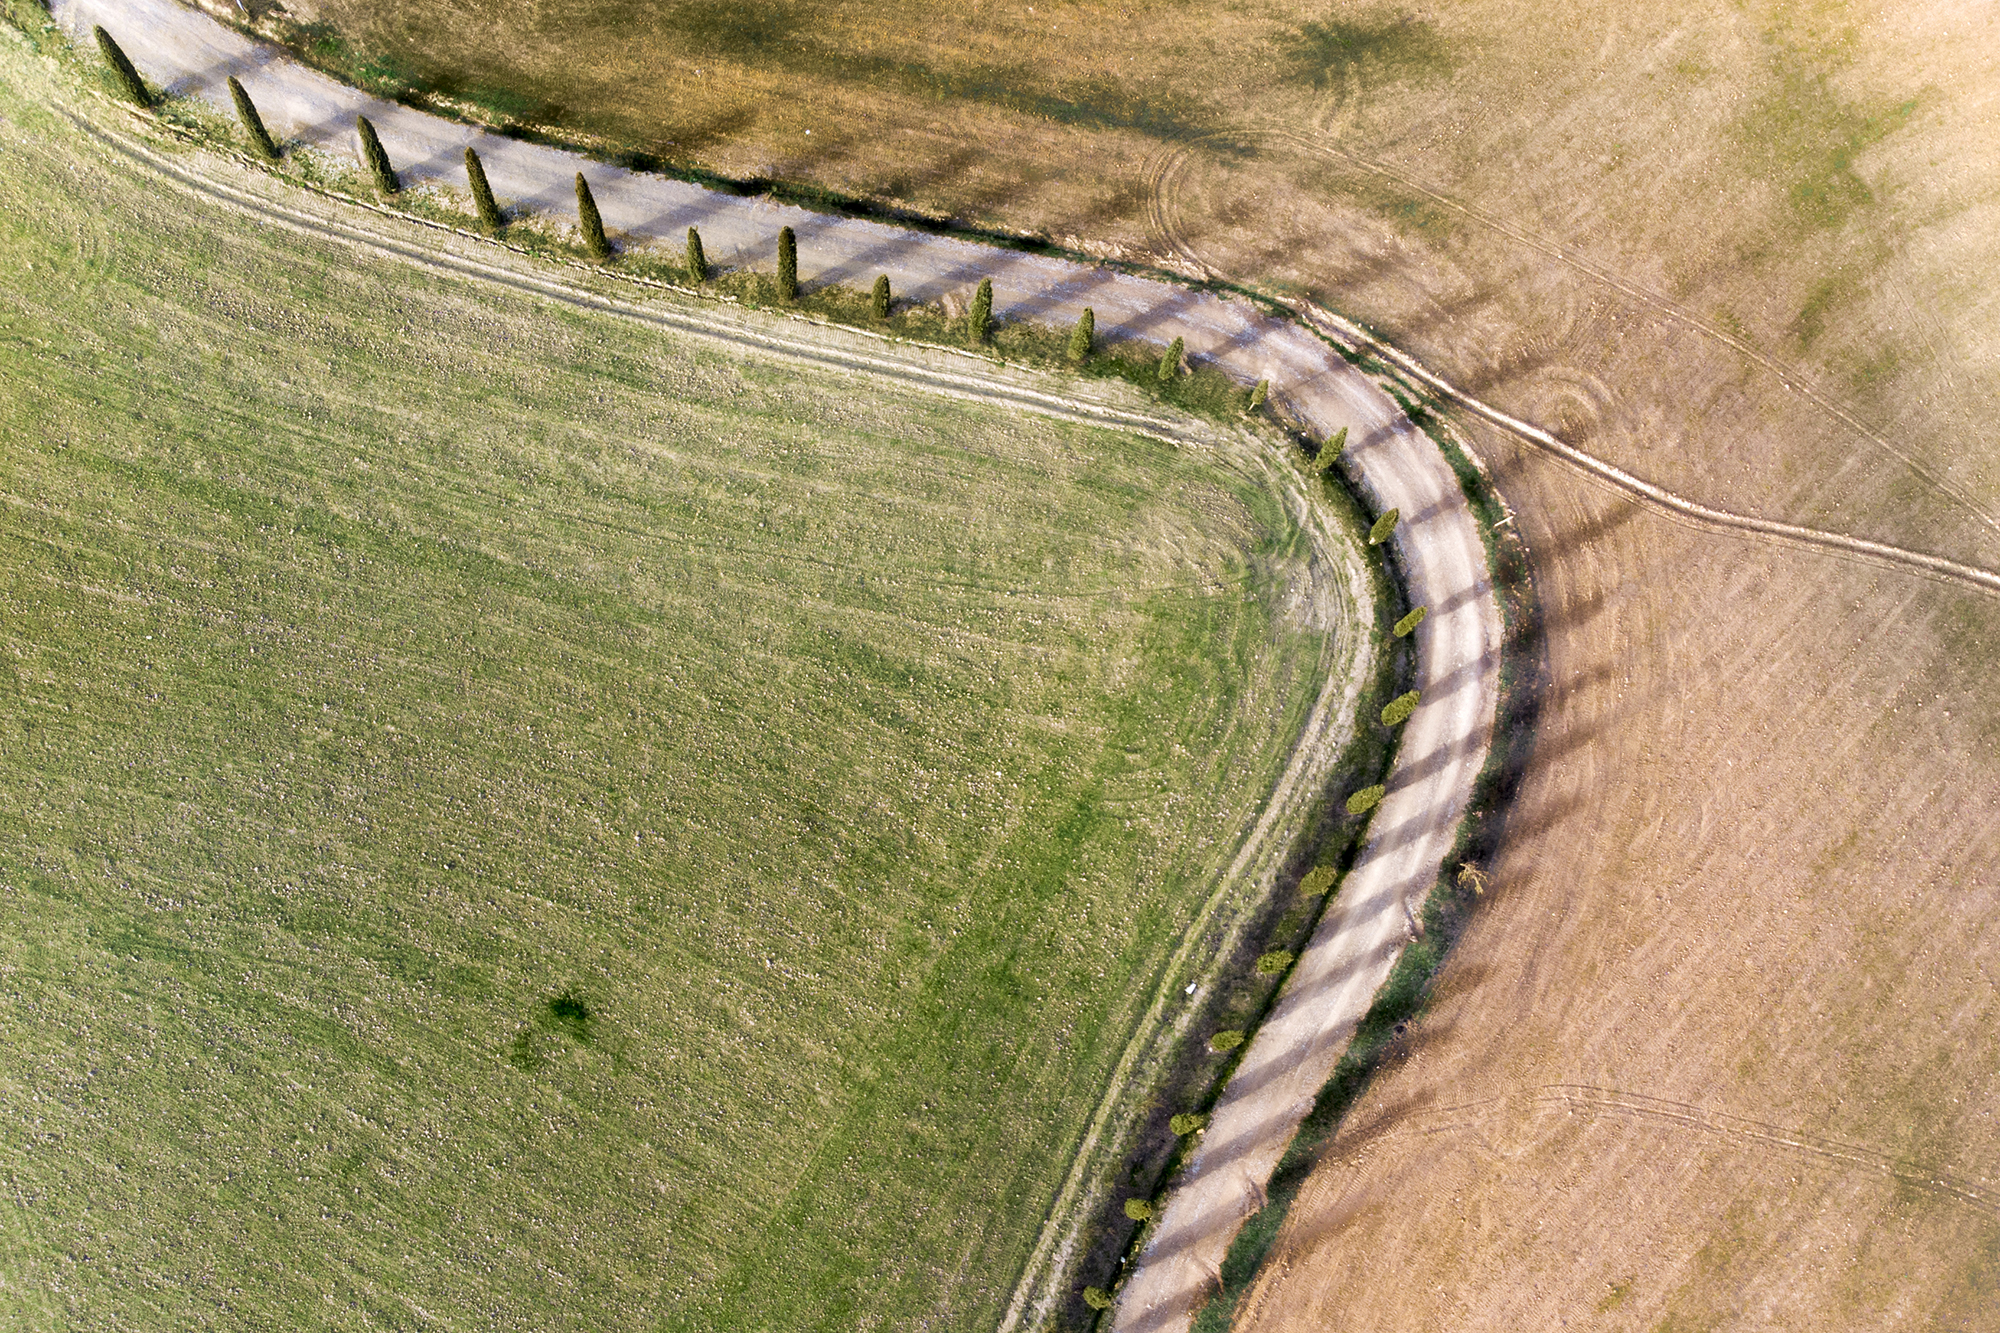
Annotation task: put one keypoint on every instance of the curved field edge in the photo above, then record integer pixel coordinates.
(1451, 901)
(531, 1055)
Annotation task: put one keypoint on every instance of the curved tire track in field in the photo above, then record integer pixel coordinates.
(1443, 746)
(1471, 1118)
(1164, 180)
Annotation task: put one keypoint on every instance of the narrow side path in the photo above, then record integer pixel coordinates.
(1444, 744)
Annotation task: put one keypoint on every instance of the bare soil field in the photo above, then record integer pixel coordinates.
(1720, 1053)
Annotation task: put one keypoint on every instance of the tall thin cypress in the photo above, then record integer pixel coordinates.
(1081, 337)
(589, 222)
(482, 193)
(1170, 364)
(253, 124)
(980, 322)
(879, 305)
(122, 68)
(788, 265)
(1329, 453)
(1258, 395)
(374, 156)
(697, 262)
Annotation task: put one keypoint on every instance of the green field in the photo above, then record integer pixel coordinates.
(512, 820)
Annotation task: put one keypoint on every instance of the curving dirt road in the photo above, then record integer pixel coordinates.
(1444, 744)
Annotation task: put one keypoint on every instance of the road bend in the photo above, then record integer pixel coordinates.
(1438, 544)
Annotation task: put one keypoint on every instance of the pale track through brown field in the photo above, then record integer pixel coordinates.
(1164, 177)
(1664, 1114)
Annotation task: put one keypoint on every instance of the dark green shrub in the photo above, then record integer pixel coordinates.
(1397, 711)
(878, 304)
(1097, 1298)
(253, 124)
(1318, 881)
(979, 323)
(697, 262)
(1384, 526)
(1366, 799)
(1329, 453)
(1227, 1040)
(589, 222)
(1081, 337)
(122, 68)
(1258, 395)
(1138, 1210)
(374, 157)
(1274, 962)
(1170, 364)
(788, 265)
(1186, 1123)
(482, 193)
(1408, 624)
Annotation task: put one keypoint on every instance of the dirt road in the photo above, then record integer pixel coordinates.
(1444, 744)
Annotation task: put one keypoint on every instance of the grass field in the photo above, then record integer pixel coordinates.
(514, 820)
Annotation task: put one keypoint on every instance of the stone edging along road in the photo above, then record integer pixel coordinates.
(1438, 544)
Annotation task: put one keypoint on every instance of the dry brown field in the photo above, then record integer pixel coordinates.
(1720, 1050)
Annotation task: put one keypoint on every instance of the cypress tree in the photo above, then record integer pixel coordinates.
(1170, 364)
(1366, 799)
(788, 265)
(373, 154)
(980, 322)
(1329, 453)
(1082, 336)
(1384, 526)
(122, 68)
(253, 124)
(880, 305)
(482, 193)
(697, 262)
(1397, 711)
(1408, 624)
(1258, 395)
(589, 222)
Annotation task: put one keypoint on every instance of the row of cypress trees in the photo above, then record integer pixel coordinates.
(979, 321)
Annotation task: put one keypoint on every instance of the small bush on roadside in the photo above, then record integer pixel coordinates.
(1097, 1298)
(253, 124)
(1258, 395)
(1138, 1210)
(1186, 1123)
(1227, 1040)
(1366, 799)
(122, 68)
(1274, 962)
(1397, 711)
(1408, 624)
(1384, 526)
(482, 194)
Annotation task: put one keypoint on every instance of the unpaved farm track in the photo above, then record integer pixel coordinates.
(1165, 180)
(1439, 547)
